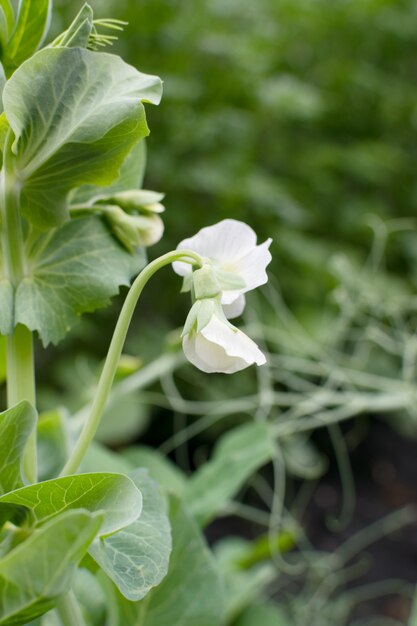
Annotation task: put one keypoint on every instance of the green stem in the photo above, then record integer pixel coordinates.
(21, 386)
(69, 611)
(115, 350)
(20, 364)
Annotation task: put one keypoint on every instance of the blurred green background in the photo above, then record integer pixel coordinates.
(297, 116)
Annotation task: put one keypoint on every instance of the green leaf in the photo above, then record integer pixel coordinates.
(39, 570)
(31, 27)
(115, 495)
(136, 558)
(7, 23)
(164, 471)
(16, 425)
(78, 33)
(239, 454)
(76, 115)
(190, 595)
(131, 176)
(78, 270)
(53, 444)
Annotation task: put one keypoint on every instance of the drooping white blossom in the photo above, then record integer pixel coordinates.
(239, 263)
(212, 344)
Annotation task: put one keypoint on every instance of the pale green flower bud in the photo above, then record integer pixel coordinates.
(134, 230)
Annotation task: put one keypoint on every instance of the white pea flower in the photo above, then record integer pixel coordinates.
(209, 341)
(239, 264)
(213, 344)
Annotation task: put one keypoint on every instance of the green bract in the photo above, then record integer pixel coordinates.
(74, 269)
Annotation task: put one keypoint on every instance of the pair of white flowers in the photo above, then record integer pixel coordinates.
(233, 265)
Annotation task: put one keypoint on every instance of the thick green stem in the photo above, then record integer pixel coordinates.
(115, 350)
(20, 364)
(69, 611)
(21, 386)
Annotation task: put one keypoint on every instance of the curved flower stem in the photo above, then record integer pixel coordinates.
(115, 350)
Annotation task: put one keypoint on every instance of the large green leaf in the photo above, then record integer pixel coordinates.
(239, 454)
(76, 115)
(29, 32)
(136, 558)
(16, 425)
(114, 495)
(190, 595)
(39, 570)
(78, 270)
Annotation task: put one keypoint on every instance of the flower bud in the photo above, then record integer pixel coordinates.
(134, 230)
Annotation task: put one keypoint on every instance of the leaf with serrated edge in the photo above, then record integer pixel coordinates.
(76, 115)
(16, 426)
(136, 558)
(240, 453)
(39, 570)
(81, 267)
(115, 495)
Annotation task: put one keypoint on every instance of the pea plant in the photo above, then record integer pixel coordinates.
(87, 537)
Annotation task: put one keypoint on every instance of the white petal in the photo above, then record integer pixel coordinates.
(224, 242)
(235, 343)
(252, 268)
(235, 308)
(207, 356)
(221, 348)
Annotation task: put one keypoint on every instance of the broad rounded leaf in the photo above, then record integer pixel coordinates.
(113, 495)
(76, 115)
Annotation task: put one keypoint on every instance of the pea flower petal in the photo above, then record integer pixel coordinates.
(221, 347)
(231, 247)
